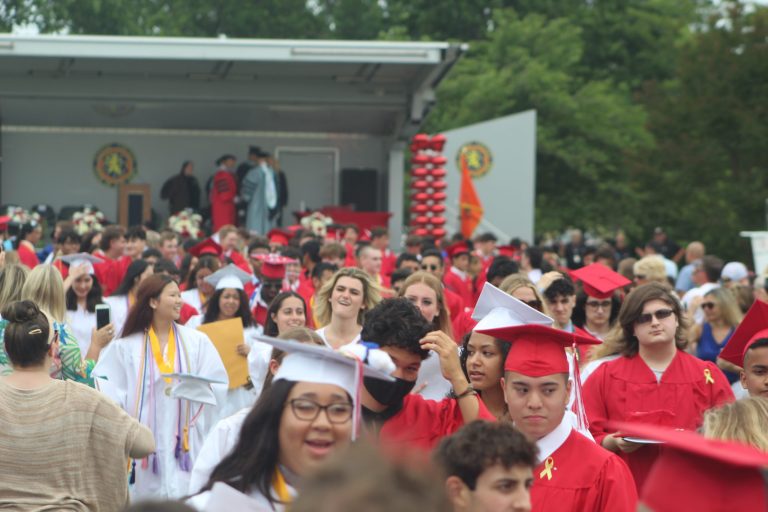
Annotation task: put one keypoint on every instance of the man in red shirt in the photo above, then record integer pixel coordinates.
(112, 270)
(573, 473)
(380, 241)
(224, 193)
(457, 279)
(399, 416)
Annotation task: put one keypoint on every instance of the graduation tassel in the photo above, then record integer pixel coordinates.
(185, 439)
(186, 462)
(132, 478)
(177, 450)
(155, 465)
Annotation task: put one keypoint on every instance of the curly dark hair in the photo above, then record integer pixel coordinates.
(563, 286)
(396, 323)
(480, 445)
(502, 345)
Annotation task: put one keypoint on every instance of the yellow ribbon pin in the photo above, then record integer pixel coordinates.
(547, 471)
(708, 376)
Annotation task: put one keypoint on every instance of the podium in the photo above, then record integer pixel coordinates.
(134, 204)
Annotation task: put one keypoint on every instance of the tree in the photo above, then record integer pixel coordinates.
(585, 127)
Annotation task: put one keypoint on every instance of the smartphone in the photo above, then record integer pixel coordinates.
(103, 315)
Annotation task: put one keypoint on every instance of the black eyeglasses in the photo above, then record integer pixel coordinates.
(430, 267)
(708, 305)
(660, 314)
(308, 410)
(596, 304)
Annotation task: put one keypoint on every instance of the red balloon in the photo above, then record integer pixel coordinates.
(438, 196)
(420, 184)
(438, 142)
(436, 208)
(420, 232)
(439, 172)
(438, 233)
(422, 197)
(422, 220)
(438, 185)
(438, 221)
(420, 140)
(420, 172)
(439, 160)
(420, 208)
(420, 159)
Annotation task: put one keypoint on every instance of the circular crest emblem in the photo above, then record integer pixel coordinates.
(477, 156)
(114, 165)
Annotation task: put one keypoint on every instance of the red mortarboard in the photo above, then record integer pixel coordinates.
(278, 236)
(600, 281)
(207, 246)
(273, 265)
(696, 474)
(507, 250)
(753, 327)
(456, 249)
(537, 350)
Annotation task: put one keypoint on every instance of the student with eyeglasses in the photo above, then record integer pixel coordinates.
(653, 380)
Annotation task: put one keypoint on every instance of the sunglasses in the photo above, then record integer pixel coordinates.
(535, 304)
(430, 267)
(660, 314)
(708, 305)
(596, 304)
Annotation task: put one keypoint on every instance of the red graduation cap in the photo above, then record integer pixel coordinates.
(457, 249)
(279, 237)
(273, 266)
(207, 246)
(752, 328)
(696, 474)
(507, 250)
(537, 350)
(600, 281)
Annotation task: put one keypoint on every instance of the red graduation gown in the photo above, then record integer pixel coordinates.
(626, 389)
(421, 423)
(462, 287)
(223, 192)
(585, 478)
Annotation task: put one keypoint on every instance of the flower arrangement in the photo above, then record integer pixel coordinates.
(87, 220)
(186, 223)
(317, 223)
(21, 216)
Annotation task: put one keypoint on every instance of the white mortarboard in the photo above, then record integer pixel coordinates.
(323, 365)
(193, 388)
(230, 276)
(495, 309)
(81, 258)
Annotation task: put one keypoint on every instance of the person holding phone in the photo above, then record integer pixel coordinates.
(85, 305)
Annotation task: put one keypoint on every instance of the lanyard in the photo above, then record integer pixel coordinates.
(281, 488)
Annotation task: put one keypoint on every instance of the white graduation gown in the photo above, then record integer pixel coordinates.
(117, 375)
(192, 297)
(200, 501)
(82, 322)
(118, 311)
(219, 442)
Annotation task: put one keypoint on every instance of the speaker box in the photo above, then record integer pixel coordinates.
(359, 188)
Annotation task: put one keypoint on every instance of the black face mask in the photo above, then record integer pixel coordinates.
(388, 393)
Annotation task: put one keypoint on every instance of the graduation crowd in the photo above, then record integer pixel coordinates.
(459, 375)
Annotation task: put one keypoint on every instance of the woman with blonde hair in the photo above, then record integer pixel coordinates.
(743, 420)
(523, 289)
(342, 303)
(425, 291)
(721, 317)
(12, 277)
(45, 287)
